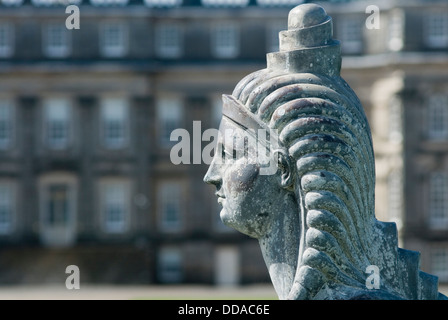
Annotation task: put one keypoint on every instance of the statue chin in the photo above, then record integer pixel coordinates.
(230, 220)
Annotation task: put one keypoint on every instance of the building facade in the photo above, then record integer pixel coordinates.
(86, 117)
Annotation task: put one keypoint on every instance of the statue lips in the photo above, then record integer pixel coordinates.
(221, 198)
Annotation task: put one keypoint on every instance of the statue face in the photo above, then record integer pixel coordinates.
(245, 195)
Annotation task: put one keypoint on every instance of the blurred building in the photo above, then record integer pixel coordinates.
(86, 117)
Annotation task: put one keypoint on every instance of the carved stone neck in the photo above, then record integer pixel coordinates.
(280, 247)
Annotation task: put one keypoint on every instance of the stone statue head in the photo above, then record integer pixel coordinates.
(314, 214)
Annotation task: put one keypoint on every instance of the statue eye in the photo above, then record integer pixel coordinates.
(226, 155)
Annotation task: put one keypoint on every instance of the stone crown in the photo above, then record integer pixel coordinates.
(308, 44)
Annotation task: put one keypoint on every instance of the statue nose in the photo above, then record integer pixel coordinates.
(213, 175)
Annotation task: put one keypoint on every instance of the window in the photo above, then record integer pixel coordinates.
(6, 40)
(115, 123)
(439, 263)
(57, 115)
(438, 117)
(169, 114)
(225, 3)
(395, 197)
(11, 2)
(351, 34)
(114, 40)
(57, 41)
(6, 124)
(7, 208)
(57, 209)
(278, 3)
(396, 30)
(169, 40)
(170, 265)
(52, 2)
(438, 200)
(58, 205)
(163, 3)
(225, 40)
(395, 120)
(170, 206)
(437, 29)
(115, 206)
(273, 38)
(99, 3)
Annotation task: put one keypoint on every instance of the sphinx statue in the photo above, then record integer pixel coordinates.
(314, 215)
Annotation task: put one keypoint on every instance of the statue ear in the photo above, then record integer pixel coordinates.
(285, 168)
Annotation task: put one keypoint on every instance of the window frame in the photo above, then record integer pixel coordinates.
(168, 257)
(438, 200)
(117, 50)
(106, 141)
(349, 45)
(221, 49)
(62, 50)
(107, 200)
(7, 49)
(174, 115)
(9, 105)
(48, 128)
(8, 225)
(442, 270)
(436, 41)
(437, 112)
(166, 194)
(169, 40)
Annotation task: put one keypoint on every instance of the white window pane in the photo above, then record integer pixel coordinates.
(225, 3)
(6, 124)
(6, 207)
(57, 123)
(225, 41)
(113, 40)
(57, 40)
(6, 40)
(58, 205)
(278, 3)
(115, 122)
(438, 200)
(170, 205)
(437, 29)
(350, 34)
(395, 197)
(170, 265)
(115, 206)
(100, 3)
(438, 117)
(169, 114)
(169, 40)
(11, 2)
(163, 3)
(42, 3)
(439, 263)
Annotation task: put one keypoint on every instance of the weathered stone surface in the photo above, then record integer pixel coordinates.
(314, 214)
